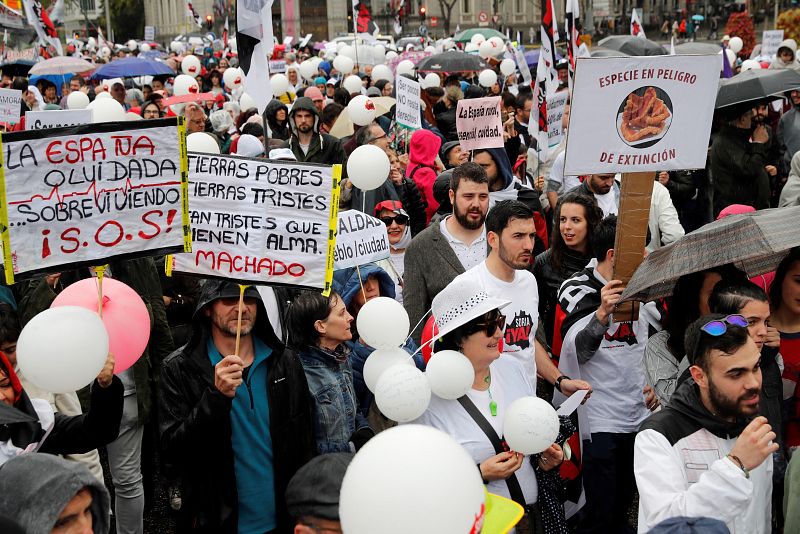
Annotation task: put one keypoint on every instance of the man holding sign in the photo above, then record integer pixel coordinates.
(236, 423)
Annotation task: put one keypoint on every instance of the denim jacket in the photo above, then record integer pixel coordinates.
(330, 383)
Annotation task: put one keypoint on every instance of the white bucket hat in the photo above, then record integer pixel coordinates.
(460, 302)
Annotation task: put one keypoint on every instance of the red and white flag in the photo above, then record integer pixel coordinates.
(537, 124)
(637, 29)
(192, 12)
(573, 14)
(225, 33)
(40, 20)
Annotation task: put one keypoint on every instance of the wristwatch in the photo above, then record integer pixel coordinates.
(557, 383)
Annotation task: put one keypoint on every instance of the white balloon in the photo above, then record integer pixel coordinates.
(735, 44)
(402, 393)
(488, 49)
(201, 142)
(367, 167)
(82, 348)
(430, 49)
(184, 84)
(508, 67)
(531, 425)
(280, 84)
(176, 46)
(77, 100)
(382, 322)
(101, 95)
(382, 72)
(343, 64)
(316, 60)
(105, 52)
(232, 77)
(145, 47)
(477, 39)
(404, 67)
(361, 110)
(731, 58)
(470, 48)
(487, 78)
(379, 361)
(131, 116)
(246, 102)
(232, 44)
(431, 80)
(353, 84)
(348, 51)
(379, 53)
(749, 64)
(450, 374)
(498, 42)
(382, 486)
(307, 70)
(91, 42)
(191, 66)
(390, 55)
(131, 45)
(106, 110)
(109, 83)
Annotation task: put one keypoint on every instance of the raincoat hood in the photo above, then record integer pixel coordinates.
(423, 149)
(503, 167)
(272, 111)
(346, 283)
(305, 104)
(35, 488)
(686, 400)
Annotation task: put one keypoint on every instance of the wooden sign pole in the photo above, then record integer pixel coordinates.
(632, 224)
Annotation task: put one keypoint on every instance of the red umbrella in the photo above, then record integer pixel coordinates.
(191, 97)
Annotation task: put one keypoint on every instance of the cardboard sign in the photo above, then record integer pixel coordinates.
(770, 41)
(84, 195)
(41, 120)
(632, 114)
(260, 221)
(408, 99)
(277, 65)
(360, 239)
(10, 105)
(555, 113)
(149, 33)
(479, 123)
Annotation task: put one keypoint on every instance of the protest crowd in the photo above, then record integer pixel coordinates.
(347, 287)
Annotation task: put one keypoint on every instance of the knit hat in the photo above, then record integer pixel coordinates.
(313, 93)
(319, 80)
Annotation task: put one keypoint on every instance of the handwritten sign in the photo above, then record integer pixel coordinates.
(770, 41)
(479, 123)
(81, 196)
(635, 114)
(408, 99)
(360, 239)
(10, 105)
(261, 221)
(40, 120)
(555, 113)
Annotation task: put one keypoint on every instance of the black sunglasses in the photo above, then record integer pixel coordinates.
(491, 321)
(399, 219)
(718, 327)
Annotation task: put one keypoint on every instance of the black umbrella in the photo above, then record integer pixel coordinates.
(756, 84)
(633, 46)
(452, 61)
(19, 67)
(599, 51)
(9, 415)
(697, 48)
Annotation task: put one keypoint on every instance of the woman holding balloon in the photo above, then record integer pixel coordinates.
(470, 324)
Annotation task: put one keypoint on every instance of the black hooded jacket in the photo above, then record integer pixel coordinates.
(279, 130)
(195, 422)
(324, 148)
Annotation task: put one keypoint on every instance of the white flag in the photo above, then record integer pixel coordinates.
(255, 41)
(636, 24)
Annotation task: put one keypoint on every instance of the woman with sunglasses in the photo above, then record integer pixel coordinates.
(395, 218)
(470, 322)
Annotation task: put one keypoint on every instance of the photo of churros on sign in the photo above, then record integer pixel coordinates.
(644, 117)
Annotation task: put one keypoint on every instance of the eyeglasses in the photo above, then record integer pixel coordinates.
(718, 327)
(493, 320)
(399, 219)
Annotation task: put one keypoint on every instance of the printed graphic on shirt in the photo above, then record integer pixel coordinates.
(623, 334)
(518, 332)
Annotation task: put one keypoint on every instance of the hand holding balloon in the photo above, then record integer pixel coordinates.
(501, 466)
(551, 457)
(107, 373)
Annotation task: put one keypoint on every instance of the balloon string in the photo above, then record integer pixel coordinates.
(361, 282)
(239, 318)
(100, 271)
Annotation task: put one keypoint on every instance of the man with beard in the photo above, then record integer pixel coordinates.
(707, 454)
(307, 143)
(448, 248)
(235, 416)
(789, 128)
(511, 234)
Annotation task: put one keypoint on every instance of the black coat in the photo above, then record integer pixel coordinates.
(195, 427)
(737, 167)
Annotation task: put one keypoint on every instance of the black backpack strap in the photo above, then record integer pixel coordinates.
(514, 489)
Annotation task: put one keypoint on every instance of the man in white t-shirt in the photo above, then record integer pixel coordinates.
(511, 233)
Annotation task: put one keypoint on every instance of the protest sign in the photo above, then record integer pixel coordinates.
(85, 195)
(555, 112)
(479, 123)
(40, 120)
(360, 239)
(149, 33)
(408, 99)
(277, 66)
(260, 221)
(641, 113)
(770, 41)
(10, 105)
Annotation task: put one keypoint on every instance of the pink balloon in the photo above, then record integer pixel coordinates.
(124, 314)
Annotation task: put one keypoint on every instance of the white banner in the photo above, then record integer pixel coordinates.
(479, 123)
(770, 40)
(87, 194)
(41, 120)
(260, 221)
(408, 99)
(10, 105)
(555, 114)
(360, 239)
(631, 114)
(277, 65)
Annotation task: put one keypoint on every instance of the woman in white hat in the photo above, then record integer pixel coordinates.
(470, 321)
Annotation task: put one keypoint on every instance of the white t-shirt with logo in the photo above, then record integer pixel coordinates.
(607, 203)
(522, 315)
